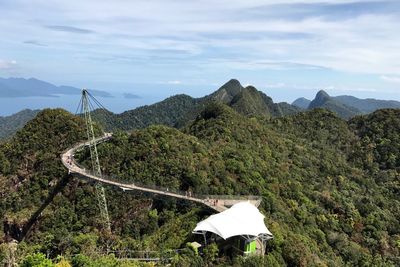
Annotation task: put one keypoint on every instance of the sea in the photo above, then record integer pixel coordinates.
(117, 103)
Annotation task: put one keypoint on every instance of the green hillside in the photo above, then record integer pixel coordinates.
(10, 124)
(55, 214)
(330, 196)
(380, 139)
(179, 110)
(167, 112)
(253, 103)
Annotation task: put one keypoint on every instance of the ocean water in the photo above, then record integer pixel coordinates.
(117, 103)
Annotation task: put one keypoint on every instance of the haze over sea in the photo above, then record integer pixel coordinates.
(12, 105)
(119, 102)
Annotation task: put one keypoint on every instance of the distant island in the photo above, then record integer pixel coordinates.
(20, 87)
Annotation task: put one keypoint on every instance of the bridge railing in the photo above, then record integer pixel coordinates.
(183, 194)
(131, 254)
(163, 256)
(144, 254)
(188, 194)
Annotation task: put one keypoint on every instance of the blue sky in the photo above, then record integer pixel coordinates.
(286, 48)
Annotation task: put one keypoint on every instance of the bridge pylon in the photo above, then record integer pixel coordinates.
(100, 192)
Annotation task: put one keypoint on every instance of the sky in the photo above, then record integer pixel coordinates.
(158, 48)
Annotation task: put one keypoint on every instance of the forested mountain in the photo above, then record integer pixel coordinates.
(323, 100)
(301, 103)
(176, 111)
(251, 102)
(56, 214)
(10, 124)
(168, 112)
(344, 105)
(367, 105)
(330, 188)
(380, 138)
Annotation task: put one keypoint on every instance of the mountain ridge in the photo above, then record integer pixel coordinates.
(178, 110)
(348, 106)
(367, 105)
(324, 100)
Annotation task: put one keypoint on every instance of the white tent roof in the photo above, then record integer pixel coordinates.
(242, 218)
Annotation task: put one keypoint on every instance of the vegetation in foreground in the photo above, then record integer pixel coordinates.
(330, 189)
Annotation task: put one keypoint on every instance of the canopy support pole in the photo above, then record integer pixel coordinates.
(205, 239)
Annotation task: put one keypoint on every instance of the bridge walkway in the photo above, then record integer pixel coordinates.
(218, 203)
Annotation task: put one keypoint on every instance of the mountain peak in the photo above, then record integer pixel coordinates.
(320, 99)
(232, 87)
(322, 95)
(232, 83)
(228, 91)
(250, 88)
(323, 100)
(301, 103)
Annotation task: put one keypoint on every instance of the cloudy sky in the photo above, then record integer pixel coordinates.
(286, 48)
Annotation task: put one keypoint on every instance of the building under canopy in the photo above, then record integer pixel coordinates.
(242, 225)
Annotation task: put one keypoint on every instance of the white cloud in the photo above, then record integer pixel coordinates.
(314, 87)
(276, 85)
(352, 89)
(185, 34)
(174, 82)
(7, 64)
(392, 79)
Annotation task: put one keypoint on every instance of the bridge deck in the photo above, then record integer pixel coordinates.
(217, 203)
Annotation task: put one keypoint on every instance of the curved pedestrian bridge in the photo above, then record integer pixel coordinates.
(218, 203)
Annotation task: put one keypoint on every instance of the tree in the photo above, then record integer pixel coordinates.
(37, 260)
(210, 253)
